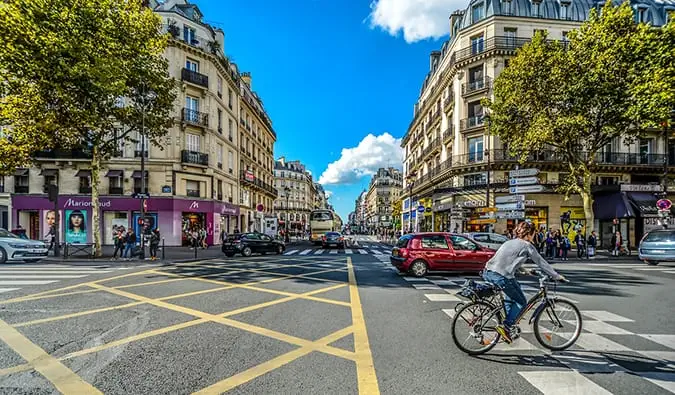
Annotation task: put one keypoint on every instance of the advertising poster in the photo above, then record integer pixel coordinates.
(146, 225)
(48, 219)
(76, 226)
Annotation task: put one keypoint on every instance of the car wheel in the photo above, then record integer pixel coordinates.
(653, 263)
(3, 255)
(419, 268)
(246, 251)
(229, 254)
(280, 250)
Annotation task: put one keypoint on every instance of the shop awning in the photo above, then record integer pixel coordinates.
(137, 174)
(115, 173)
(21, 172)
(644, 203)
(615, 205)
(49, 172)
(83, 173)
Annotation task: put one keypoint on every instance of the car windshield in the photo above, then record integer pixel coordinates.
(331, 234)
(5, 233)
(403, 241)
(660, 237)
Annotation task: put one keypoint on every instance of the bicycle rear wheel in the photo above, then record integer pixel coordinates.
(558, 325)
(473, 328)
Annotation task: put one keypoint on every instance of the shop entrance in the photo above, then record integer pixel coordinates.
(192, 222)
(30, 222)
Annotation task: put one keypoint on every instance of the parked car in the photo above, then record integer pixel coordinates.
(249, 243)
(489, 240)
(658, 246)
(14, 248)
(421, 253)
(332, 239)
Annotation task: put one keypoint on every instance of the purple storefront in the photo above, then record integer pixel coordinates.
(175, 217)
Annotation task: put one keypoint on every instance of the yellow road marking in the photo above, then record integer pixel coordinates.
(64, 379)
(266, 367)
(16, 369)
(39, 297)
(78, 314)
(365, 368)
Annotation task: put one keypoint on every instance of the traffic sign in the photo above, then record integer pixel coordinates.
(511, 206)
(526, 189)
(523, 181)
(420, 209)
(140, 195)
(509, 199)
(523, 172)
(664, 204)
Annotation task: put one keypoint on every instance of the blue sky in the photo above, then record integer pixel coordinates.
(327, 79)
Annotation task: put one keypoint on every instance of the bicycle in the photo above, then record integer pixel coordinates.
(487, 305)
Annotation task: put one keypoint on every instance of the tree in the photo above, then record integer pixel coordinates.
(396, 213)
(81, 73)
(574, 98)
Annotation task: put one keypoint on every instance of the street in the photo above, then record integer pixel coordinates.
(315, 323)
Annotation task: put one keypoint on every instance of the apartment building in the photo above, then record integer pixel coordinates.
(297, 194)
(384, 189)
(453, 169)
(196, 179)
(320, 198)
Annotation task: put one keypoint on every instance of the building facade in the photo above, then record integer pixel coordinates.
(384, 189)
(297, 194)
(453, 168)
(320, 198)
(197, 179)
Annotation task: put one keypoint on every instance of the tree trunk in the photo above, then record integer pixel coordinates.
(587, 198)
(95, 222)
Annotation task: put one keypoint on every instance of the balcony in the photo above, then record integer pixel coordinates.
(477, 86)
(194, 77)
(64, 154)
(447, 134)
(20, 189)
(448, 101)
(115, 191)
(195, 158)
(139, 153)
(257, 183)
(194, 117)
(433, 146)
(471, 122)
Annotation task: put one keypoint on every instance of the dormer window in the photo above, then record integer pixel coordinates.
(507, 7)
(641, 14)
(189, 35)
(564, 10)
(536, 5)
(477, 12)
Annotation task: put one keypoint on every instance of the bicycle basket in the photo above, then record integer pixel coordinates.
(473, 290)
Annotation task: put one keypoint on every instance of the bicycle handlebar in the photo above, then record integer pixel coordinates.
(545, 277)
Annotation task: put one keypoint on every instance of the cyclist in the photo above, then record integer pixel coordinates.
(501, 269)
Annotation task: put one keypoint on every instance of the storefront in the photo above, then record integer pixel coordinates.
(173, 217)
(473, 215)
(443, 219)
(572, 221)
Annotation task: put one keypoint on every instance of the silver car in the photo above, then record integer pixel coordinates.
(658, 246)
(489, 240)
(13, 248)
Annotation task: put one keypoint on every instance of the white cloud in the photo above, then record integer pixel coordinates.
(417, 19)
(369, 155)
(329, 194)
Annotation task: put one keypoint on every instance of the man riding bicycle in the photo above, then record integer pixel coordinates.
(501, 269)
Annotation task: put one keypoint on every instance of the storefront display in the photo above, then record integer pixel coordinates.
(76, 226)
(48, 220)
(113, 221)
(572, 221)
(144, 224)
(191, 223)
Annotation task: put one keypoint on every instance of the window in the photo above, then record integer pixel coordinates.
(608, 180)
(137, 183)
(230, 193)
(510, 34)
(141, 145)
(645, 147)
(230, 130)
(85, 185)
(477, 44)
(434, 242)
(540, 31)
(477, 12)
(481, 238)
(192, 105)
(220, 87)
(192, 142)
(192, 65)
(2, 183)
(21, 181)
(506, 7)
(462, 243)
(192, 188)
(220, 189)
(536, 5)
(189, 35)
(564, 11)
(475, 179)
(475, 111)
(506, 62)
(229, 98)
(219, 154)
(476, 77)
(475, 145)
(641, 15)
(230, 161)
(117, 135)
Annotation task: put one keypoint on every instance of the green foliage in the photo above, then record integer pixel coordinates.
(66, 63)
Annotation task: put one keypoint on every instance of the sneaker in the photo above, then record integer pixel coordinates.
(505, 333)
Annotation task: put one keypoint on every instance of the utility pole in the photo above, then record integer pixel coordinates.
(143, 186)
(487, 154)
(53, 194)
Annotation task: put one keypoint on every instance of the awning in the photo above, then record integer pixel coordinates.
(615, 205)
(21, 172)
(644, 203)
(137, 174)
(83, 173)
(49, 172)
(115, 173)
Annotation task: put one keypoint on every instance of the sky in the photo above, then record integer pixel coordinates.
(338, 78)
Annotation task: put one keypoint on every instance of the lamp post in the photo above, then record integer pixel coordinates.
(410, 178)
(287, 191)
(144, 101)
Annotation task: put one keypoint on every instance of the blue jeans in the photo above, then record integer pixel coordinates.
(129, 249)
(514, 300)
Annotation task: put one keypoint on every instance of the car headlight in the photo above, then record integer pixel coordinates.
(19, 246)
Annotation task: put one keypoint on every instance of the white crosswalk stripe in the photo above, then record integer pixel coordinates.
(318, 252)
(363, 252)
(14, 278)
(348, 251)
(305, 252)
(290, 252)
(333, 252)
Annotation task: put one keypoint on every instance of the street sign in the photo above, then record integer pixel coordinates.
(140, 195)
(260, 208)
(523, 172)
(526, 189)
(509, 199)
(511, 214)
(664, 204)
(511, 206)
(523, 181)
(420, 209)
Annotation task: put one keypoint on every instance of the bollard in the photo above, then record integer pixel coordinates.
(163, 248)
(196, 251)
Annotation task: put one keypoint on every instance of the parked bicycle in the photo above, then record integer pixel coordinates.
(557, 321)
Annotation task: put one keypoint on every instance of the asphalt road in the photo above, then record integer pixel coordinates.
(315, 324)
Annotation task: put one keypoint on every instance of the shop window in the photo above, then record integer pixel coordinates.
(608, 180)
(192, 188)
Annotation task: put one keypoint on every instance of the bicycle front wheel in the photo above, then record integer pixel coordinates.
(473, 328)
(558, 325)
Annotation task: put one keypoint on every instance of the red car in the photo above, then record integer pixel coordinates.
(420, 253)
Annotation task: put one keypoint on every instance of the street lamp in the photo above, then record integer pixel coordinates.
(146, 95)
(287, 191)
(410, 178)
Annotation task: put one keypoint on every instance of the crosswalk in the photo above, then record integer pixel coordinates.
(347, 251)
(14, 278)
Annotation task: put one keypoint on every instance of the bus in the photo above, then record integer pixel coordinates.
(320, 222)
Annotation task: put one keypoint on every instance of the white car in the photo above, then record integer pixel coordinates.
(13, 248)
(489, 240)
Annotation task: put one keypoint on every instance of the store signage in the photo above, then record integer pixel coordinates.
(641, 188)
(523, 172)
(473, 203)
(511, 206)
(194, 205)
(249, 176)
(509, 199)
(524, 181)
(511, 214)
(527, 189)
(86, 203)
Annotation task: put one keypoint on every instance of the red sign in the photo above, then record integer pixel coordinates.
(260, 208)
(249, 176)
(664, 204)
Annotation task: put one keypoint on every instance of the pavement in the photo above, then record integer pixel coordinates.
(315, 323)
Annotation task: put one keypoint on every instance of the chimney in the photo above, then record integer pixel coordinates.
(246, 77)
(282, 160)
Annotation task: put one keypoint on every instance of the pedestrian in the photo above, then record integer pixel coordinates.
(592, 244)
(119, 239)
(154, 243)
(130, 244)
(549, 244)
(616, 242)
(565, 246)
(580, 241)
(557, 238)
